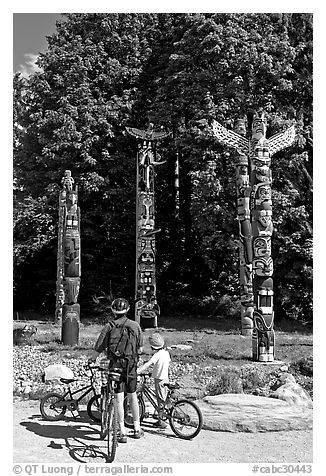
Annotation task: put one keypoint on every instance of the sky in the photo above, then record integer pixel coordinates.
(29, 38)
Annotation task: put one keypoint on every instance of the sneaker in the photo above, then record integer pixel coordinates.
(160, 424)
(138, 434)
(122, 438)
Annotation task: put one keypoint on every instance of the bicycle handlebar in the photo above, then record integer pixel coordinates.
(91, 367)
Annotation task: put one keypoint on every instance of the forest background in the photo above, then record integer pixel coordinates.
(104, 72)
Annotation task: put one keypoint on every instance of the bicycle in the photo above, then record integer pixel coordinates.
(53, 406)
(109, 417)
(184, 416)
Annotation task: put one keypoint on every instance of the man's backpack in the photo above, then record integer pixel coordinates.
(122, 342)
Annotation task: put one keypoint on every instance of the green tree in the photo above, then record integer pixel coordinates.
(103, 72)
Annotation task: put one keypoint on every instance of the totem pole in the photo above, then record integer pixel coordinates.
(254, 198)
(69, 261)
(245, 237)
(147, 309)
(60, 297)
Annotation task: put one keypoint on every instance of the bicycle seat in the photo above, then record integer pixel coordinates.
(67, 380)
(172, 386)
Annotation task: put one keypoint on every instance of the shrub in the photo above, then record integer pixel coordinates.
(227, 381)
(253, 378)
(304, 366)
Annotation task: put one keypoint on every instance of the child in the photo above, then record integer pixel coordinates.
(160, 360)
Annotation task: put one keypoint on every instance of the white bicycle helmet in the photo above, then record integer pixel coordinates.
(156, 341)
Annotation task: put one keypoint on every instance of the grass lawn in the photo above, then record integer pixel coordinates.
(213, 341)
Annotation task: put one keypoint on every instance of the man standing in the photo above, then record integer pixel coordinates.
(122, 339)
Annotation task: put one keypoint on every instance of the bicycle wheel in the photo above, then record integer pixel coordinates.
(186, 419)
(94, 408)
(129, 423)
(112, 432)
(104, 413)
(48, 409)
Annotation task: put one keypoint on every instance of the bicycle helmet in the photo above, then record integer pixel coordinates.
(156, 341)
(120, 306)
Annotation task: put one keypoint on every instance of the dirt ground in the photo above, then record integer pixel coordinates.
(38, 441)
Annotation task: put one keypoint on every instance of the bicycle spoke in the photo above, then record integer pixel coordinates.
(88, 454)
(186, 419)
(48, 407)
(112, 432)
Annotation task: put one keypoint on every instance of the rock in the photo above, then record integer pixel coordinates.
(250, 413)
(22, 335)
(284, 368)
(55, 372)
(181, 347)
(289, 390)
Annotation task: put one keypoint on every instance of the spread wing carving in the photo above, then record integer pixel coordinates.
(281, 140)
(230, 138)
(146, 135)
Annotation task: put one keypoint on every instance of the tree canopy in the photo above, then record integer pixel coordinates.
(103, 72)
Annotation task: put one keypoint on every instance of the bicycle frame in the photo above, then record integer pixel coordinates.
(147, 392)
(72, 403)
(184, 416)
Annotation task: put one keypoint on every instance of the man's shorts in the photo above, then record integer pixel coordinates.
(128, 382)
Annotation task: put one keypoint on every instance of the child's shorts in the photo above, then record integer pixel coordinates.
(160, 390)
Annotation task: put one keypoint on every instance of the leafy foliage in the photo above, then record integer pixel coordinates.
(103, 72)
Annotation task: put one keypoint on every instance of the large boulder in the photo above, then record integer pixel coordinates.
(251, 413)
(287, 389)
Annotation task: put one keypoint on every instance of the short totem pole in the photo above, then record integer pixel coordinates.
(254, 201)
(68, 273)
(147, 309)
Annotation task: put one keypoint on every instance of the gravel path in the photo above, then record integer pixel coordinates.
(37, 441)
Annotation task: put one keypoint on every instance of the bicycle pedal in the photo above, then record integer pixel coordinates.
(73, 405)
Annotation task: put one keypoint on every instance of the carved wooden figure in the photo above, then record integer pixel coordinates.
(243, 190)
(147, 309)
(59, 285)
(254, 194)
(69, 261)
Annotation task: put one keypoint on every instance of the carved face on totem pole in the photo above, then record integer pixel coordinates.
(261, 168)
(262, 246)
(264, 192)
(263, 266)
(67, 180)
(265, 220)
(259, 126)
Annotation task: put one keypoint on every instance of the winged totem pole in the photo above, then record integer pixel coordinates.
(68, 262)
(254, 206)
(147, 309)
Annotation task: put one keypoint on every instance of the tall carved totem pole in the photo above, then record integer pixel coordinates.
(254, 204)
(147, 309)
(68, 263)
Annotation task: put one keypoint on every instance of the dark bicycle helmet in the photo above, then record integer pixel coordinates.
(120, 306)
